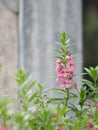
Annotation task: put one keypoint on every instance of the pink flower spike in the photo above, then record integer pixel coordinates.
(97, 105)
(65, 74)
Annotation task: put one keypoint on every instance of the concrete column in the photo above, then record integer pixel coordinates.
(8, 50)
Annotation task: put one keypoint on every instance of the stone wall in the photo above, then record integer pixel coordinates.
(8, 50)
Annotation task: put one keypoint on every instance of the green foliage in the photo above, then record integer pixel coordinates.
(6, 111)
(20, 76)
(93, 84)
(70, 109)
(82, 97)
(93, 73)
(35, 111)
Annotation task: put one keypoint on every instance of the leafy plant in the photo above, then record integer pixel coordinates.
(74, 108)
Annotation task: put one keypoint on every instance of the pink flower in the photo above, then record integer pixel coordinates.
(58, 62)
(5, 128)
(65, 85)
(70, 63)
(58, 69)
(97, 105)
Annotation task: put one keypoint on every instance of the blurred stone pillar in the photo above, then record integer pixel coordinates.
(40, 23)
(8, 47)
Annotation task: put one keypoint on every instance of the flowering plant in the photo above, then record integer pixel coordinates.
(74, 108)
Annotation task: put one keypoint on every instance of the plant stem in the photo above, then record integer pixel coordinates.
(67, 96)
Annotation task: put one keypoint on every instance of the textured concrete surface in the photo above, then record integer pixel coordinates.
(12, 5)
(8, 51)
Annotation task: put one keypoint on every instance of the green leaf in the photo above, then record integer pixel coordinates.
(88, 83)
(31, 85)
(33, 96)
(92, 72)
(57, 89)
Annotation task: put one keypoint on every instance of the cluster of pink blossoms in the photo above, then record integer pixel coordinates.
(65, 74)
